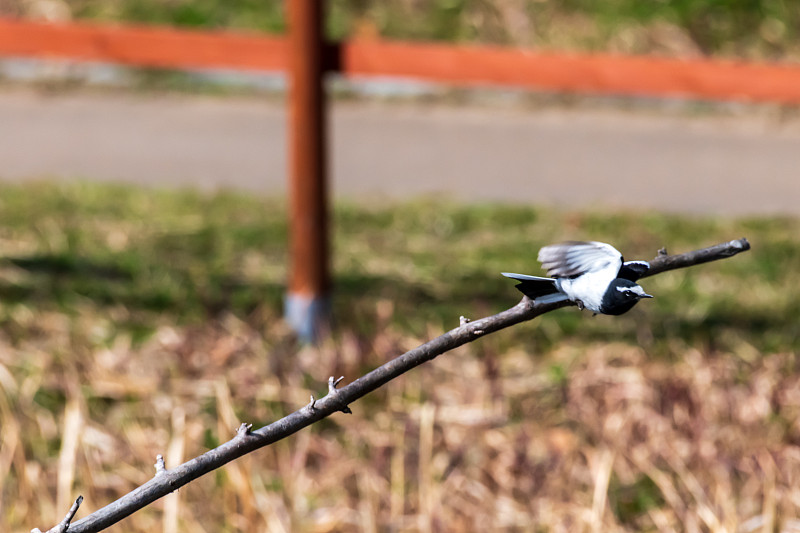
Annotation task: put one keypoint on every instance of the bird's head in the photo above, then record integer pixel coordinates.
(630, 290)
(621, 296)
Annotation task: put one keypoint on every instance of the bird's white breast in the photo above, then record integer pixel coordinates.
(590, 287)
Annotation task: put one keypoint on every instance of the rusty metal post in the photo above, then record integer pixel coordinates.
(307, 302)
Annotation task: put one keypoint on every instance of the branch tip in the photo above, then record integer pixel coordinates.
(63, 526)
(741, 244)
(244, 429)
(463, 321)
(312, 405)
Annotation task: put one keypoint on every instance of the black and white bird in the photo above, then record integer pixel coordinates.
(591, 274)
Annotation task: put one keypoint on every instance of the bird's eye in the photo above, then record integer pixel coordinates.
(630, 294)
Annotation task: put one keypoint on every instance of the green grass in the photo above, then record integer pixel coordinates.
(151, 319)
(187, 257)
(759, 28)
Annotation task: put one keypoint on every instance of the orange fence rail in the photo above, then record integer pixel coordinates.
(459, 65)
(142, 46)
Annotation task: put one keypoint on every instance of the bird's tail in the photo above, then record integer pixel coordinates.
(543, 290)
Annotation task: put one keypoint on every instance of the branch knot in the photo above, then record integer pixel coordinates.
(244, 430)
(334, 392)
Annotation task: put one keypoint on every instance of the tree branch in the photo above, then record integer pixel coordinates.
(338, 399)
(664, 262)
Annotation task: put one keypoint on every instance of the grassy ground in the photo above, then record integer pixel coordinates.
(136, 322)
(749, 28)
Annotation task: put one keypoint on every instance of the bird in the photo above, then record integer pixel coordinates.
(592, 274)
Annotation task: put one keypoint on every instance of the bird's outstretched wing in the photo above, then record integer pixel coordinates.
(573, 258)
(633, 270)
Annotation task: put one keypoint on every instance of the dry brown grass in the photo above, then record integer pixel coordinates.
(476, 441)
(131, 326)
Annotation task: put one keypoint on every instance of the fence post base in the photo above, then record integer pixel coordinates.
(308, 316)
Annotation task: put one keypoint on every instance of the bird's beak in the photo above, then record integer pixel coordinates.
(645, 295)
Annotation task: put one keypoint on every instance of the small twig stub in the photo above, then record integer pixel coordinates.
(161, 467)
(334, 392)
(244, 429)
(312, 404)
(332, 384)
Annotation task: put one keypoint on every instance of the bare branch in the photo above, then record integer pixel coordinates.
(338, 399)
(664, 262)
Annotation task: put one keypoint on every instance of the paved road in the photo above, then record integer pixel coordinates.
(702, 164)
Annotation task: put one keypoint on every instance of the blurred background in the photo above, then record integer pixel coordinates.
(145, 252)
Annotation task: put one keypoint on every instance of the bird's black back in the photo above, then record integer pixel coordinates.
(633, 270)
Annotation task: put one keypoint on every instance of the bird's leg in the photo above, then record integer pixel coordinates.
(580, 305)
